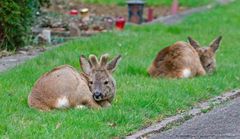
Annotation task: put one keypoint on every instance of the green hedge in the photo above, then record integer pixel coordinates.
(16, 18)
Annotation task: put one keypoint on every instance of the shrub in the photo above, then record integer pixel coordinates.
(16, 18)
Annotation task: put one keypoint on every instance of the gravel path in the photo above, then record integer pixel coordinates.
(14, 60)
(173, 19)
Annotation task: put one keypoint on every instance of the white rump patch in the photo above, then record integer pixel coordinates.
(80, 107)
(62, 102)
(186, 73)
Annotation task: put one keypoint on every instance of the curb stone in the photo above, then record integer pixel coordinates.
(197, 110)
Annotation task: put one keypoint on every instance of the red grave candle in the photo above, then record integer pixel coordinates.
(73, 12)
(120, 23)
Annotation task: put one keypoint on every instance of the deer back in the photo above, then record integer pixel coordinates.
(61, 87)
(179, 60)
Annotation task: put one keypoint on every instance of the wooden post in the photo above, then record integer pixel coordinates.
(150, 14)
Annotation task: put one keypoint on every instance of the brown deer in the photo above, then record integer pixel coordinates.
(65, 87)
(184, 60)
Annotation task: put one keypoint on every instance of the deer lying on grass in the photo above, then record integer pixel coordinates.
(184, 60)
(64, 87)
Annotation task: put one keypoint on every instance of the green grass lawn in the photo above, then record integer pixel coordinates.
(140, 99)
(186, 3)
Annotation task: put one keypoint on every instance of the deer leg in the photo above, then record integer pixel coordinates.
(92, 104)
(201, 72)
(80, 107)
(35, 103)
(105, 104)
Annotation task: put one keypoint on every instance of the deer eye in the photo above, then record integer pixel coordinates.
(209, 65)
(106, 82)
(90, 82)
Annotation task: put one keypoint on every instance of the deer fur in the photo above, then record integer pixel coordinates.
(184, 60)
(65, 87)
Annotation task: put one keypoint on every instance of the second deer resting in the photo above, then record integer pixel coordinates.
(183, 60)
(64, 87)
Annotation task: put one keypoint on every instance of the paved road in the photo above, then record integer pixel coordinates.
(220, 123)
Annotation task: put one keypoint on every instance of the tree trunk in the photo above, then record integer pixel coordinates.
(1, 34)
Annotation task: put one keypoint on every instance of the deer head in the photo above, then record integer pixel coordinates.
(99, 76)
(207, 54)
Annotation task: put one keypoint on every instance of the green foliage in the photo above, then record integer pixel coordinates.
(44, 2)
(16, 17)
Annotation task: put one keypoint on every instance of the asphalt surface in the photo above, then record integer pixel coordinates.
(221, 123)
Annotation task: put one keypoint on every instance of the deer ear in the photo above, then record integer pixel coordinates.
(85, 64)
(103, 60)
(93, 60)
(193, 43)
(215, 44)
(112, 65)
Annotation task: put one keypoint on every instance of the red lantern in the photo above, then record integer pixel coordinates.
(120, 23)
(135, 11)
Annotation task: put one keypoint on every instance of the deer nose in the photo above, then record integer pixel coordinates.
(97, 95)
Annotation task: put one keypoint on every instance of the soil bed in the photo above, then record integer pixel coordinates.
(109, 10)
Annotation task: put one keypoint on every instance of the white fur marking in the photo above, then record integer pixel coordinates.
(80, 107)
(62, 102)
(186, 73)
